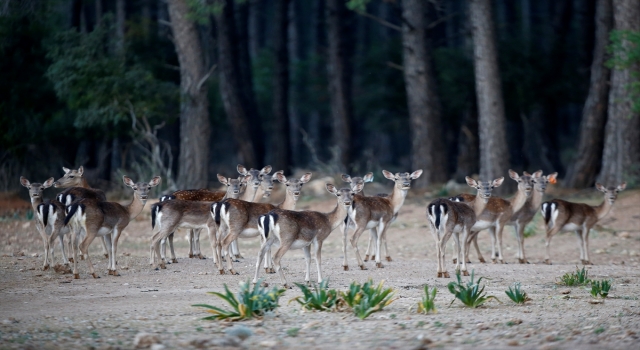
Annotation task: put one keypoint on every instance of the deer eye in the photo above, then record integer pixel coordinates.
(71, 176)
(338, 195)
(135, 188)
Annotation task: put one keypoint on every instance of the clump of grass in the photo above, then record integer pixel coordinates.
(427, 304)
(600, 288)
(320, 298)
(530, 230)
(578, 278)
(516, 294)
(470, 294)
(250, 302)
(365, 299)
(293, 332)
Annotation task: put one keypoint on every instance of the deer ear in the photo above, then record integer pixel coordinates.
(538, 173)
(24, 182)
(280, 176)
(368, 177)
(48, 183)
(601, 188)
(127, 181)
(471, 182)
(513, 175)
(80, 170)
(223, 180)
(305, 178)
(498, 182)
(266, 170)
(346, 178)
(358, 188)
(416, 174)
(245, 179)
(552, 177)
(622, 186)
(389, 175)
(66, 170)
(331, 188)
(241, 169)
(155, 181)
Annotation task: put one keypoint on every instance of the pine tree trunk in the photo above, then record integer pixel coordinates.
(339, 76)
(237, 113)
(195, 129)
(494, 155)
(428, 151)
(621, 154)
(588, 158)
(280, 141)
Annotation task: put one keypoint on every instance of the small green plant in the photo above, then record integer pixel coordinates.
(470, 294)
(516, 294)
(599, 330)
(250, 302)
(427, 304)
(366, 299)
(530, 230)
(293, 332)
(320, 298)
(578, 278)
(600, 288)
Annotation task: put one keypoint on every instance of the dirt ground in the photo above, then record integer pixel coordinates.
(49, 310)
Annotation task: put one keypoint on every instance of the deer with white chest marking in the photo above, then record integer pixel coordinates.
(560, 215)
(302, 230)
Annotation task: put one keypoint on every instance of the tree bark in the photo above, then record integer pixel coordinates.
(280, 141)
(428, 151)
(339, 76)
(195, 129)
(621, 154)
(494, 155)
(584, 168)
(232, 99)
(120, 26)
(298, 81)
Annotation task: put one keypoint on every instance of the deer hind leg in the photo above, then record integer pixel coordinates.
(499, 230)
(345, 263)
(442, 246)
(463, 247)
(354, 244)
(317, 246)
(520, 236)
(265, 249)
(191, 238)
(45, 243)
(307, 259)
(277, 259)
(173, 252)
(371, 245)
(475, 245)
(163, 248)
(108, 239)
(236, 250)
(227, 245)
(585, 239)
(550, 233)
(105, 248)
(196, 244)
(381, 232)
(114, 249)
(84, 250)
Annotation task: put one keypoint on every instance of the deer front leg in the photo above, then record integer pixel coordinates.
(585, 239)
(371, 246)
(236, 250)
(354, 244)
(75, 247)
(345, 263)
(114, 249)
(307, 259)
(550, 233)
(465, 236)
(227, 246)
(520, 235)
(108, 239)
(386, 248)
(492, 233)
(173, 252)
(381, 229)
(499, 230)
(196, 245)
(317, 246)
(191, 238)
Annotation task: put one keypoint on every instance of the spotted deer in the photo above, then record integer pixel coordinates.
(302, 230)
(560, 215)
(107, 219)
(447, 218)
(377, 213)
(170, 215)
(239, 219)
(257, 177)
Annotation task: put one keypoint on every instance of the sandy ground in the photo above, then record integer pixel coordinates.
(45, 309)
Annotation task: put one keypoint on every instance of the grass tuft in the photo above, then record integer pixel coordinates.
(600, 288)
(320, 298)
(427, 304)
(516, 294)
(578, 278)
(365, 299)
(470, 294)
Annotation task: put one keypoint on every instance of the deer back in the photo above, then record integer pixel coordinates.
(180, 212)
(561, 212)
(453, 215)
(242, 213)
(202, 195)
(300, 225)
(73, 194)
(366, 209)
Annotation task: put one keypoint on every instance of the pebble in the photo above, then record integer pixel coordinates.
(241, 332)
(145, 340)
(565, 291)
(268, 343)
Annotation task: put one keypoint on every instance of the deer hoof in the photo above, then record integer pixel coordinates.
(174, 261)
(439, 274)
(115, 273)
(191, 256)
(266, 270)
(45, 267)
(373, 257)
(286, 286)
(81, 257)
(106, 256)
(222, 272)
(109, 272)
(76, 276)
(482, 260)
(547, 261)
(586, 262)
(95, 275)
(455, 261)
(239, 256)
(163, 266)
(366, 258)
(70, 260)
(362, 267)
(379, 265)
(389, 258)
(233, 272)
(468, 261)
(346, 268)
(522, 261)
(264, 284)
(201, 256)
(446, 275)
(465, 273)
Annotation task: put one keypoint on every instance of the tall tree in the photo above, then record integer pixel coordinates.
(584, 168)
(494, 155)
(230, 88)
(195, 128)
(339, 76)
(621, 154)
(427, 144)
(281, 145)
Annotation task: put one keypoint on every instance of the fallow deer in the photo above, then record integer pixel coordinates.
(239, 219)
(107, 219)
(301, 230)
(378, 212)
(447, 218)
(170, 215)
(560, 215)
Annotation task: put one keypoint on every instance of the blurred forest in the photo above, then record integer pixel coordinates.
(186, 89)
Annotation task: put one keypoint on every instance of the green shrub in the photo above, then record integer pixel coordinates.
(470, 294)
(578, 278)
(320, 298)
(250, 303)
(516, 294)
(600, 288)
(427, 304)
(366, 299)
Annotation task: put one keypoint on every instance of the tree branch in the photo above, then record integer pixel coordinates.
(380, 20)
(395, 65)
(206, 76)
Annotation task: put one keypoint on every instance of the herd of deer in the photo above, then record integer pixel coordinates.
(83, 212)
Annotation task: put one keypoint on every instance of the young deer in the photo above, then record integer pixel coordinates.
(301, 230)
(561, 215)
(257, 177)
(496, 215)
(107, 219)
(377, 213)
(170, 215)
(239, 219)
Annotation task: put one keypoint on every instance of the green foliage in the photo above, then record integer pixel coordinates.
(625, 53)
(427, 304)
(530, 230)
(600, 288)
(250, 302)
(358, 5)
(365, 299)
(320, 298)
(516, 294)
(470, 294)
(578, 278)
(200, 11)
(293, 332)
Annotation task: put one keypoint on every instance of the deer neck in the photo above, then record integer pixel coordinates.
(604, 208)
(518, 201)
(536, 199)
(135, 207)
(249, 194)
(289, 202)
(83, 183)
(397, 198)
(258, 195)
(35, 202)
(478, 205)
(336, 217)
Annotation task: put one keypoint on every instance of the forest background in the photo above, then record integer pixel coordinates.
(190, 88)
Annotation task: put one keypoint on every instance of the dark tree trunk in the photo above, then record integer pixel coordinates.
(494, 155)
(468, 153)
(428, 151)
(232, 98)
(76, 14)
(120, 26)
(298, 82)
(280, 141)
(621, 154)
(256, 26)
(195, 129)
(586, 164)
(339, 76)
(98, 6)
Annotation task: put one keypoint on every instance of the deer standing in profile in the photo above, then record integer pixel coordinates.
(239, 219)
(447, 218)
(377, 213)
(302, 230)
(107, 219)
(560, 215)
